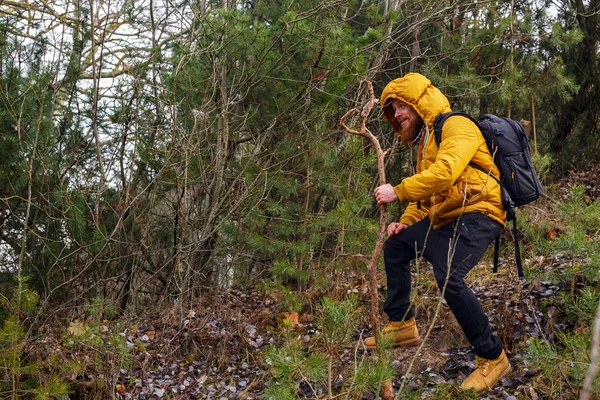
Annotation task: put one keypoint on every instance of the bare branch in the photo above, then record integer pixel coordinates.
(365, 132)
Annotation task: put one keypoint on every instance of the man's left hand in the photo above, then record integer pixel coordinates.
(385, 194)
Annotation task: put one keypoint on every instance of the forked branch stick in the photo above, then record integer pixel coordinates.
(364, 132)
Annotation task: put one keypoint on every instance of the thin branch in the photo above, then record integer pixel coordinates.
(368, 107)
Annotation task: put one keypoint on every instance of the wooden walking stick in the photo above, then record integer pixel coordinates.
(382, 207)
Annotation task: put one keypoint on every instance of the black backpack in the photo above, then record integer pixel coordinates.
(509, 146)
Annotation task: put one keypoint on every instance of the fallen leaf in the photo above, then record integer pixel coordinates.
(307, 318)
(288, 320)
(532, 393)
(387, 391)
(539, 259)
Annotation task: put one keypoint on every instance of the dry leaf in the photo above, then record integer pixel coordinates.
(360, 285)
(150, 335)
(387, 391)
(307, 318)
(519, 315)
(287, 320)
(539, 259)
(532, 393)
(291, 318)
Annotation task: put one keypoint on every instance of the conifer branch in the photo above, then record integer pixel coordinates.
(364, 132)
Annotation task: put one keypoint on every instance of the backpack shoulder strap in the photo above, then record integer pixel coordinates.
(439, 123)
(517, 250)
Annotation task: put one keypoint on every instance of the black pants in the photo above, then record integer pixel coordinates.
(469, 236)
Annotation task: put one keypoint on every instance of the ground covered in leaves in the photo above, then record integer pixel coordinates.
(215, 347)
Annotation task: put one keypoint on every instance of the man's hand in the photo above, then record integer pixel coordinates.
(395, 228)
(385, 194)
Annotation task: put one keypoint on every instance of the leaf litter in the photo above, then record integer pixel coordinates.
(217, 349)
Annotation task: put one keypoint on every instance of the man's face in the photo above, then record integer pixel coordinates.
(409, 121)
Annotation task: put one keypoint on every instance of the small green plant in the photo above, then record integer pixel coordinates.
(561, 367)
(299, 369)
(573, 231)
(542, 164)
(572, 235)
(288, 272)
(102, 308)
(290, 365)
(582, 307)
(370, 375)
(336, 319)
(20, 378)
(577, 220)
(53, 388)
(108, 347)
(290, 300)
(294, 369)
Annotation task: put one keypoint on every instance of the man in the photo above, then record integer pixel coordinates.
(454, 212)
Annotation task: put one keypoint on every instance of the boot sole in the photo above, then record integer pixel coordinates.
(404, 344)
(506, 372)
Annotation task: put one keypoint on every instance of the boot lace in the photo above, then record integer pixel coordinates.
(483, 364)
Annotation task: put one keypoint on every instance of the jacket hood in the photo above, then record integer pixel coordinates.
(417, 91)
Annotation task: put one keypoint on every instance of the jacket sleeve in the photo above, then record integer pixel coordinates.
(414, 213)
(460, 140)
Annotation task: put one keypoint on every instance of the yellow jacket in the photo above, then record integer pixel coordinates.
(444, 185)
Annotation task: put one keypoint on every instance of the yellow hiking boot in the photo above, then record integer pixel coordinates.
(397, 334)
(487, 373)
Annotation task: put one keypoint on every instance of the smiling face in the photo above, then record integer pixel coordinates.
(408, 120)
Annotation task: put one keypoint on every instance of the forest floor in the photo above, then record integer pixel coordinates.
(215, 348)
(218, 353)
